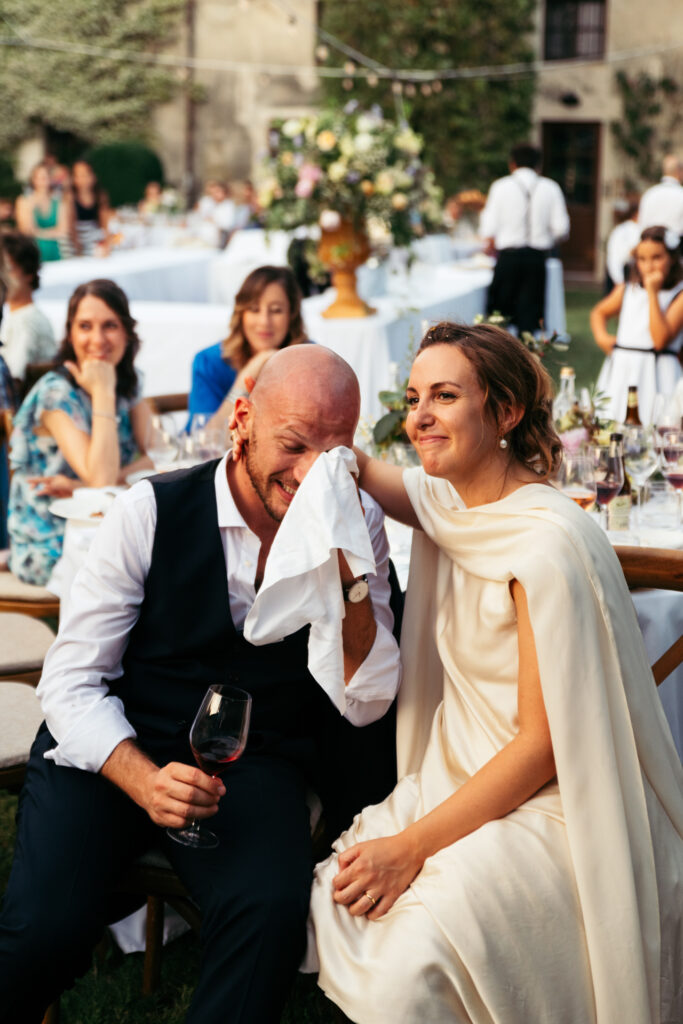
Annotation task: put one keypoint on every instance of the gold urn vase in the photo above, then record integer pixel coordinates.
(342, 250)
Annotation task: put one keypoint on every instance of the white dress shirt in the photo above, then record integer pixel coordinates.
(524, 209)
(621, 241)
(662, 204)
(27, 337)
(86, 720)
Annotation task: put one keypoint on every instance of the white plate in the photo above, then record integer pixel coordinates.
(87, 505)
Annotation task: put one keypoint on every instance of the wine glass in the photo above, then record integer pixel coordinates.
(665, 413)
(640, 456)
(672, 460)
(576, 479)
(162, 443)
(209, 442)
(609, 477)
(218, 736)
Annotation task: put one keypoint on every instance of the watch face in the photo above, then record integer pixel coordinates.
(358, 591)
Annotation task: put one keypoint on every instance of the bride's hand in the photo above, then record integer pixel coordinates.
(381, 868)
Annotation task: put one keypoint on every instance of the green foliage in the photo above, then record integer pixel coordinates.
(124, 168)
(9, 186)
(469, 126)
(95, 98)
(652, 116)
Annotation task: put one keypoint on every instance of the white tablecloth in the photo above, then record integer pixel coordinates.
(154, 274)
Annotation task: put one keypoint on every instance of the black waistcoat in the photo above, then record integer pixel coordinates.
(185, 639)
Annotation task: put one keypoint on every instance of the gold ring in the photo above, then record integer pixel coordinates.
(372, 900)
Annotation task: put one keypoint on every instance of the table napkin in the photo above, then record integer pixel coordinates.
(301, 582)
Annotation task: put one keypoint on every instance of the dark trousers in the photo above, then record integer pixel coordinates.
(77, 832)
(518, 287)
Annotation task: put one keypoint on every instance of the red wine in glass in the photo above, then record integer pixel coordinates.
(606, 490)
(675, 478)
(214, 756)
(218, 736)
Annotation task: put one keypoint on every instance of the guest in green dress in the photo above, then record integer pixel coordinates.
(44, 216)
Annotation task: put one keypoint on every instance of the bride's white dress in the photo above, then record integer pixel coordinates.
(569, 909)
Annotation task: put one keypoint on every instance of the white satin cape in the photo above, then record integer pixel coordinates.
(568, 910)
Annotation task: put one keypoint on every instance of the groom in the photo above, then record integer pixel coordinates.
(154, 617)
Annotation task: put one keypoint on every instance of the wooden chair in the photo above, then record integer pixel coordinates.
(24, 642)
(169, 403)
(662, 569)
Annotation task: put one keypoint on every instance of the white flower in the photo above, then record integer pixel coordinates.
(347, 145)
(364, 142)
(337, 170)
(408, 141)
(292, 127)
(384, 183)
(329, 220)
(368, 122)
(671, 239)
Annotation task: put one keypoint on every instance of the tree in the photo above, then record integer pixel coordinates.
(468, 125)
(651, 119)
(95, 98)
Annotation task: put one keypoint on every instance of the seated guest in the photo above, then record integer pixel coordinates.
(83, 420)
(151, 200)
(44, 215)
(155, 617)
(91, 210)
(8, 400)
(527, 867)
(26, 333)
(266, 317)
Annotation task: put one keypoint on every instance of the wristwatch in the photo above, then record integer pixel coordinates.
(357, 590)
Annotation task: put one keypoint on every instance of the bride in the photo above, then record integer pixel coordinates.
(528, 866)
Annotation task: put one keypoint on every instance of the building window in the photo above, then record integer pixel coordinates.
(574, 28)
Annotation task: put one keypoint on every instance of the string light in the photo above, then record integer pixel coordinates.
(349, 67)
(347, 83)
(321, 52)
(426, 89)
(397, 88)
(410, 89)
(372, 80)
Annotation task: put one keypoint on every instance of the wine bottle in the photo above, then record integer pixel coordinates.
(566, 399)
(619, 508)
(632, 415)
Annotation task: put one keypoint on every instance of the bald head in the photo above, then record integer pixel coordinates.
(322, 383)
(672, 166)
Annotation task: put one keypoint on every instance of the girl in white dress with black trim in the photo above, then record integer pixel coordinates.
(645, 350)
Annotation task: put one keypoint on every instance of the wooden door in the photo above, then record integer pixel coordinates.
(570, 157)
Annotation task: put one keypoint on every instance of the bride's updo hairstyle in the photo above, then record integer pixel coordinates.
(510, 376)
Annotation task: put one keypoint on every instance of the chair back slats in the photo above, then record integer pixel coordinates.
(169, 403)
(662, 569)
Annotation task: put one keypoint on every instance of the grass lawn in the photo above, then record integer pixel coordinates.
(111, 992)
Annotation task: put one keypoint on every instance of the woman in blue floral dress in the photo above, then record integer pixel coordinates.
(82, 421)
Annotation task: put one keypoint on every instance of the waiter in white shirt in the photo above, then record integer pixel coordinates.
(524, 218)
(155, 617)
(663, 203)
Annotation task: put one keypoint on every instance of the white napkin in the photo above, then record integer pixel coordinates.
(301, 582)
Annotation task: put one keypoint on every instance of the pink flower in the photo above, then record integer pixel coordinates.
(309, 174)
(573, 439)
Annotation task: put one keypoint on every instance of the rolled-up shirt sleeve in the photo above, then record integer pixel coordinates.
(85, 718)
(374, 685)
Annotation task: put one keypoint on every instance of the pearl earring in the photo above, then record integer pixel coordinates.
(503, 443)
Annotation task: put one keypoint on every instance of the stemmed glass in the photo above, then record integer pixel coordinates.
(666, 414)
(207, 442)
(641, 456)
(576, 479)
(162, 443)
(218, 736)
(672, 460)
(609, 478)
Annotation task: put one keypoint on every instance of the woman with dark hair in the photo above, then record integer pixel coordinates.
(645, 350)
(266, 317)
(91, 210)
(82, 422)
(25, 333)
(526, 867)
(44, 216)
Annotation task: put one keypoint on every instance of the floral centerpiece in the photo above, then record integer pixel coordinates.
(353, 173)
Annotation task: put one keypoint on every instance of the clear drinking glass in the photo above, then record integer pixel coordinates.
(576, 479)
(640, 456)
(162, 442)
(672, 460)
(218, 737)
